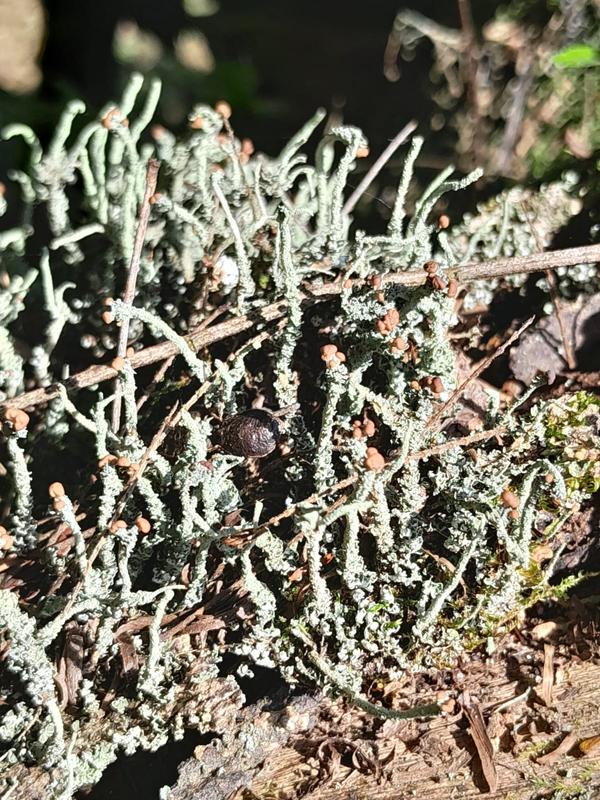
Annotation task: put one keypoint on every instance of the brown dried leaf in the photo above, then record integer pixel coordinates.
(481, 739)
(591, 746)
(540, 348)
(70, 664)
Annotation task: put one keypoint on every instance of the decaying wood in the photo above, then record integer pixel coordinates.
(438, 760)
(200, 338)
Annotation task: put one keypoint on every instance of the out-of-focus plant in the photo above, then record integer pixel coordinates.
(186, 65)
(521, 93)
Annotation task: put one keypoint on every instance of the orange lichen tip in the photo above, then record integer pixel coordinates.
(143, 525)
(374, 460)
(332, 356)
(388, 322)
(56, 490)
(223, 108)
(509, 499)
(17, 418)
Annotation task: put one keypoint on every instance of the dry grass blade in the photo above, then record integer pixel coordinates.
(548, 674)
(378, 165)
(132, 274)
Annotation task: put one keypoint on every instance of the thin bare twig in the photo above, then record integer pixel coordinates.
(162, 370)
(132, 274)
(551, 280)
(378, 165)
(481, 367)
(496, 268)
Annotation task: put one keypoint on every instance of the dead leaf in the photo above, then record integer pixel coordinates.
(70, 664)
(591, 746)
(540, 348)
(481, 739)
(544, 630)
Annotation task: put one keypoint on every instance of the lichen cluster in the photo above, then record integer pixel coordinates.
(387, 543)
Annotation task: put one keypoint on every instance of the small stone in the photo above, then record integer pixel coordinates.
(6, 540)
(544, 630)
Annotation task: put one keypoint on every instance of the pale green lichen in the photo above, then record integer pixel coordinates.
(371, 573)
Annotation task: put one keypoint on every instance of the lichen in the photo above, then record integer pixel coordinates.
(367, 545)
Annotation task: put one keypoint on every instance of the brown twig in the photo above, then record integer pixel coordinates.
(378, 165)
(132, 274)
(496, 268)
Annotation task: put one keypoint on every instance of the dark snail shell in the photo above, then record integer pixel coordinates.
(253, 434)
